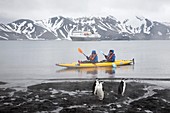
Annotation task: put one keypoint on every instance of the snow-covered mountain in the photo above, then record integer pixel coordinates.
(59, 28)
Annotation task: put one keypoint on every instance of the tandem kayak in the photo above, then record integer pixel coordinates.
(98, 64)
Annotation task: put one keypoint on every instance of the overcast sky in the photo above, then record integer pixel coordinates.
(11, 10)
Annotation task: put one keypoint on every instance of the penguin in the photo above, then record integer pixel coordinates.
(95, 84)
(121, 87)
(100, 91)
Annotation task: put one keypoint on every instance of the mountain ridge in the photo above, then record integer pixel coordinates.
(110, 28)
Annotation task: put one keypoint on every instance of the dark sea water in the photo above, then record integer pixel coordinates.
(35, 60)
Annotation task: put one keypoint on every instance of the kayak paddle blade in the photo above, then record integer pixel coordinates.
(102, 52)
(80, 51)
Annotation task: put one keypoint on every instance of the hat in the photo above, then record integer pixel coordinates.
(111, 51)
(93, 52)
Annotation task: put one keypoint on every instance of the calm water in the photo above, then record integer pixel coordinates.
(24, 60)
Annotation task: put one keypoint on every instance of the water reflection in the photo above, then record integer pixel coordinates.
(95, 71)
(92, 71)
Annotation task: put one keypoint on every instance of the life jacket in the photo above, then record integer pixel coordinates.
(93, 58)
(111, 58)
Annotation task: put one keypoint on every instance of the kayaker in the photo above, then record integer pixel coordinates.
(93, 57)
(111, 56)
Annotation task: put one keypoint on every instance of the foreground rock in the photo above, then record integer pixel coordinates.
(77, 97)
(2, 83)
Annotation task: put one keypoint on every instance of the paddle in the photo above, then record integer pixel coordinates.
(80, 51)
(102, 53)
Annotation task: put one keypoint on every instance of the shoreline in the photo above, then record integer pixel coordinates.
(76, 97)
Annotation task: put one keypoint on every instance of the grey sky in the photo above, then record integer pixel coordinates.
(11, 10)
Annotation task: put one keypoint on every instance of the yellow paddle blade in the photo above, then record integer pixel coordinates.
(79, 50)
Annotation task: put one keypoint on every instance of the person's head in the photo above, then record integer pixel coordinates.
(111, 51)
(93, 52)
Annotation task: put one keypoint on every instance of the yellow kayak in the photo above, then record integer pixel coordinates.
(98, 64)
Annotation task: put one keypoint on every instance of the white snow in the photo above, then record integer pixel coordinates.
(84, 21)
(57, 24)
(168, 32)
(83, 29)
(159, 33)
(102, 28)
(66, 29)
(42, 33)
(30, 25)
(57, 110)
(133, 25)
(6, 34)
(166, 23)
(70, 24)
(135, 22)
(94, 29)
(3, 37)
(43, 23)
(148, 111)
(108, 26)
(5, 28)
(52, 27)
(104, 25)
(62, 33)
(19, 27)
(58, 39)
(112, 17)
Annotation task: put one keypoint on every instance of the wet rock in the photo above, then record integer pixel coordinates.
(2, 83)
(150, 103)
(77, 97)
(76, 110)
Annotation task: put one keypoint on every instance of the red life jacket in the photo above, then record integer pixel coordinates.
(92, 57)
(110, 57)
